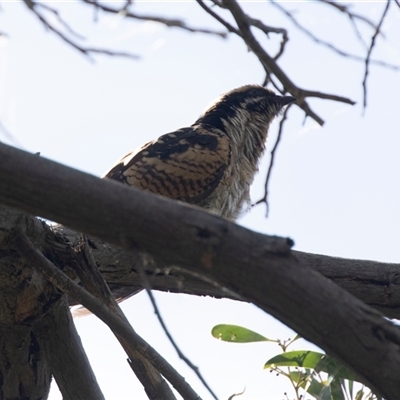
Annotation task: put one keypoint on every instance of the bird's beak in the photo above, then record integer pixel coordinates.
(285, 100)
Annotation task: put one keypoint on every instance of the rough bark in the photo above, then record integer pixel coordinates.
(24, 294)
(24, 371)
(37, 336)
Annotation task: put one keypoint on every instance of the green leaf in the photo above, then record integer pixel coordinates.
(311, 359)
(237, 334)
(297, 358)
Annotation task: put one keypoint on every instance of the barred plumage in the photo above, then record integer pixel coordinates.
(212, 163)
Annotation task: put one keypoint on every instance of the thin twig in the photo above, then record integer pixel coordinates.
(117, 324)
(171, 23)
(265, 28)
(353, 20)
(266, 80)
(60, 20)
(327, 44)
(264, 199)
(367, 59)
(345, 9)
(268, 29)
(328, 96)
(84, 50)
(232, 396)
(196, 370)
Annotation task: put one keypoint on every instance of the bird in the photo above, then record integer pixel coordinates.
(212, 163)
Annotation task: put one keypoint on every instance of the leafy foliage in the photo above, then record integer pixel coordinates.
(314, 373)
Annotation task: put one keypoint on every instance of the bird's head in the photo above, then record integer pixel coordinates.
(245, 104)
(244, 115)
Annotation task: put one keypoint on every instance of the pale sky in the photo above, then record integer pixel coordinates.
(334, 189)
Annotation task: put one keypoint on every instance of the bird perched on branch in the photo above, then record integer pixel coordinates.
(213, 162)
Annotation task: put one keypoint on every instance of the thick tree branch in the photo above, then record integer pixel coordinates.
(24, 372)
(375, 283)
(259, 268)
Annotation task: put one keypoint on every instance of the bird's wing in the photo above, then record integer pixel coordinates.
(187, 164)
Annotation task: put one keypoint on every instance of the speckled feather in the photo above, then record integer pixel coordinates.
(212, 163)
(185, 165)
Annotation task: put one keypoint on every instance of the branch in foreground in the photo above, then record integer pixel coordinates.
(92, 280)
(375, 283)
(118, 325)
(259, 268)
